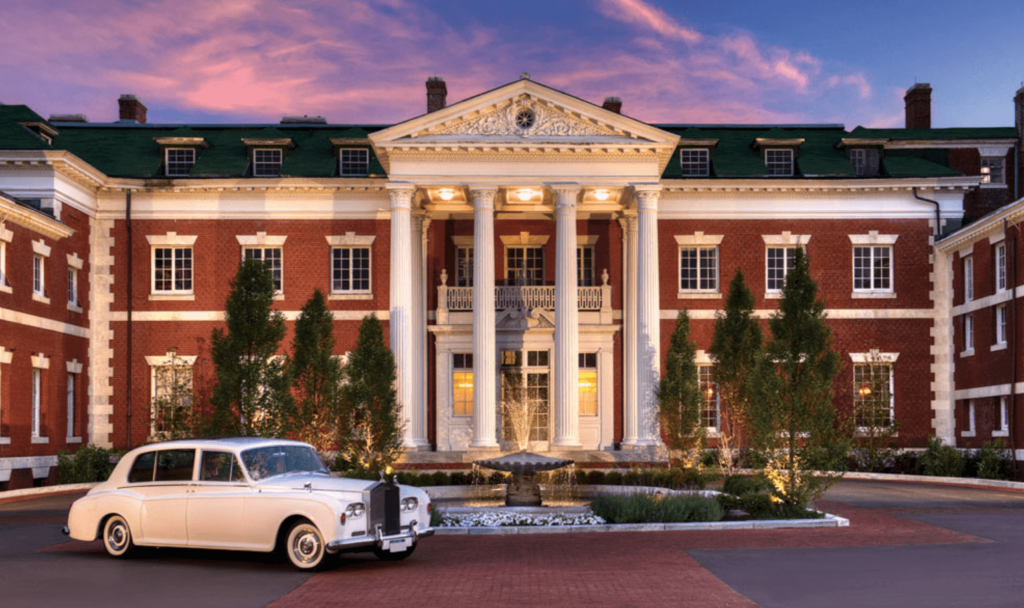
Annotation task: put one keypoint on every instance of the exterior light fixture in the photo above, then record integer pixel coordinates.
(524, 194)
(865, 391)
(446, 194)
(710, 392)
(601, 195)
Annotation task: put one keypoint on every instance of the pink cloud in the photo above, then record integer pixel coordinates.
(638, 12)
(858, 81)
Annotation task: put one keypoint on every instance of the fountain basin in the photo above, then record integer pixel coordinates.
(523, 491)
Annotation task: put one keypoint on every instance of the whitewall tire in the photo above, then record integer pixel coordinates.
(305, 546)
(117, 536)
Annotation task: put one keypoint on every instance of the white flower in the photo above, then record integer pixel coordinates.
(491, 519)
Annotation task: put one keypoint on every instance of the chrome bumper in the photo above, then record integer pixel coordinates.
(66, 531)
(414, 533)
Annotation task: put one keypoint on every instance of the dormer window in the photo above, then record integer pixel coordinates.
(266, 162)
(864, 161)
(694, 162)
(992, 170)
(779, 161)
(179, 161)
(354, 161)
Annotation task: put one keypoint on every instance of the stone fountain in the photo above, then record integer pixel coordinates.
(523, 491)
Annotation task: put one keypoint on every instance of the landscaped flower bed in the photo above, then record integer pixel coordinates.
(494, 519)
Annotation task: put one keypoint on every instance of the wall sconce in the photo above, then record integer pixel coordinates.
(601, 195)
(524, 194)
(446, 194)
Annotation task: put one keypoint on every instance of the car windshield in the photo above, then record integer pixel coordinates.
(281, 459)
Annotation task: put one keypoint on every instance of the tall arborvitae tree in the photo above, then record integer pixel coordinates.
(735, 350)
(370, 428)
(316, 373)
(679, 395)
(253, 392)
(792, 417)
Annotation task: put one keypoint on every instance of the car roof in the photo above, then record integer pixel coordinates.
(222, 443)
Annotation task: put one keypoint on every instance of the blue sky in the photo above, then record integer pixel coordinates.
(359, 61)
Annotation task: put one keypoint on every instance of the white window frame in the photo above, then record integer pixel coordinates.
(971, 429)
(350, 240)
(335, 289)
(277, 271)
(968, 327)
(993, 178)
(1001, 325)
(786, 240)
(38, 275)
(168, 162)
(174, 269)
(171, 359)
(778, 166)
(705, 375)
(72, 286)
(342, 162)
(543, 258)
(1000, 255)
(874, 255)
(174, 242)
(464, 369)
(699, 240)
(596, 369)
(1004, 418)
(5, 359)
(40, 362)
(74, 371)
(5, 237)
(874, 360)
(266, 164)
(788, 262)
(585, 277)
(711, 284)
(464, 261)
(695, 162)
(968, 278)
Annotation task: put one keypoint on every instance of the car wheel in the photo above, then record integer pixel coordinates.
(388, 556)
(117, 537)
(305, 546)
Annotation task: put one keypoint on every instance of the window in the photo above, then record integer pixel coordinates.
(585, 266)
(711, 397)
(971, 429)
(968, 333)
(698, 269)
(3, 262)
(464, 267)
(142, 468)
(71, 405)
(220, 466)
(462, 384)
(779, 261)
(1001, 324)
(38, 278)
(588, 384)
(968, 279)
(355, 161)
(694, 162)
(179, 161)
(524, 265)
(267, 162)
(535, 378)
(174, 465)
(172, 270)
(37, 401)
(1004, 419)
(1001, 267)
(350, 270)
(872, 268)
(864, 161)
(992, 170)
(172, 392)
(779, 161)
(72, 286)
(873, 395)
(271, 256)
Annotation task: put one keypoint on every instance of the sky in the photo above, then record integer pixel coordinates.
(366, 61)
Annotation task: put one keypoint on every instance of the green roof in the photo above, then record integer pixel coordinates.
(925, 134)
(14, 135)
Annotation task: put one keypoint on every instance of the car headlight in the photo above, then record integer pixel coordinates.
(410, 504)
(355, 509)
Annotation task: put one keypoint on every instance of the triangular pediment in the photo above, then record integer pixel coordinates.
(523, 113)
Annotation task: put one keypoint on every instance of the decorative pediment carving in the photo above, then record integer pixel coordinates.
(525, 117)
(519, 319)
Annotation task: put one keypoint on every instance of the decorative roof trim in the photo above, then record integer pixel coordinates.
(349, 141)
(182, 141)
(919, 144)
(852, 142)
(1013, 214)
(276, 142)
(42, 126)
(761, 185)
(697, 143)
(769, 142)
(35, 221)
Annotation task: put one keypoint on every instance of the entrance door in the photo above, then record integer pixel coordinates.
(526, 386)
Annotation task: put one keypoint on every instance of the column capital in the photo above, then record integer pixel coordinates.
(565, 194)
(647, 198)
(483, 198)
(628, 223)
(401, 195)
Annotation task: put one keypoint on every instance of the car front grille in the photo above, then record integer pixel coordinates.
(385, 508)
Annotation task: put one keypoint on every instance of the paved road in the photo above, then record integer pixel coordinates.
(909, 545)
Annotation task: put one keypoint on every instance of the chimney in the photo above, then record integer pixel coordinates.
(1018, 112)
(132, 109)
(437, 94)
(612, 104)
(919, 106)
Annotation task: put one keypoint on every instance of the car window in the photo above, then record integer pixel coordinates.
(281, 459)
(220, 466)
(142, 468)
(174, 465)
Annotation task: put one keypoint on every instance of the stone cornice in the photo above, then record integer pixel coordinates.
(33, 220)
(754, 186)
(1013, 214)
(63, 162)
(918, 144)
(298, 186)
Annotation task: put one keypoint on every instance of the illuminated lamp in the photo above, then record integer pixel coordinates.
(524, 194)
(601, 195)
(447, 194)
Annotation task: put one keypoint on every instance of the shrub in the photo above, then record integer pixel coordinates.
(906, 464)
(647, 508)
(738, 485)
(992, 462)
(941, 460)
(89, 464)
(496, 478)
(613, 478)
(595, 477)
(458, 478)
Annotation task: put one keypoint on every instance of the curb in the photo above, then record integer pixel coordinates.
(991, 484)
(27, 493)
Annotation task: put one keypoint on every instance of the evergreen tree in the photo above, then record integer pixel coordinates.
(792, 417)
(316, 373)
(253, 392)
(735, 349)
(679, 396)
(370, 428)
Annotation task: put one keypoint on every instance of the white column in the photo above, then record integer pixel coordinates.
(401, 318)
(484, 355)
(567, 329)
(648, 318)
(630, 413)
(415, 435)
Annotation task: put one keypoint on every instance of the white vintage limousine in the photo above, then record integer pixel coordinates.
(247, 494)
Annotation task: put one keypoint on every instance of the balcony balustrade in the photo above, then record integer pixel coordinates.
(460, 299)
